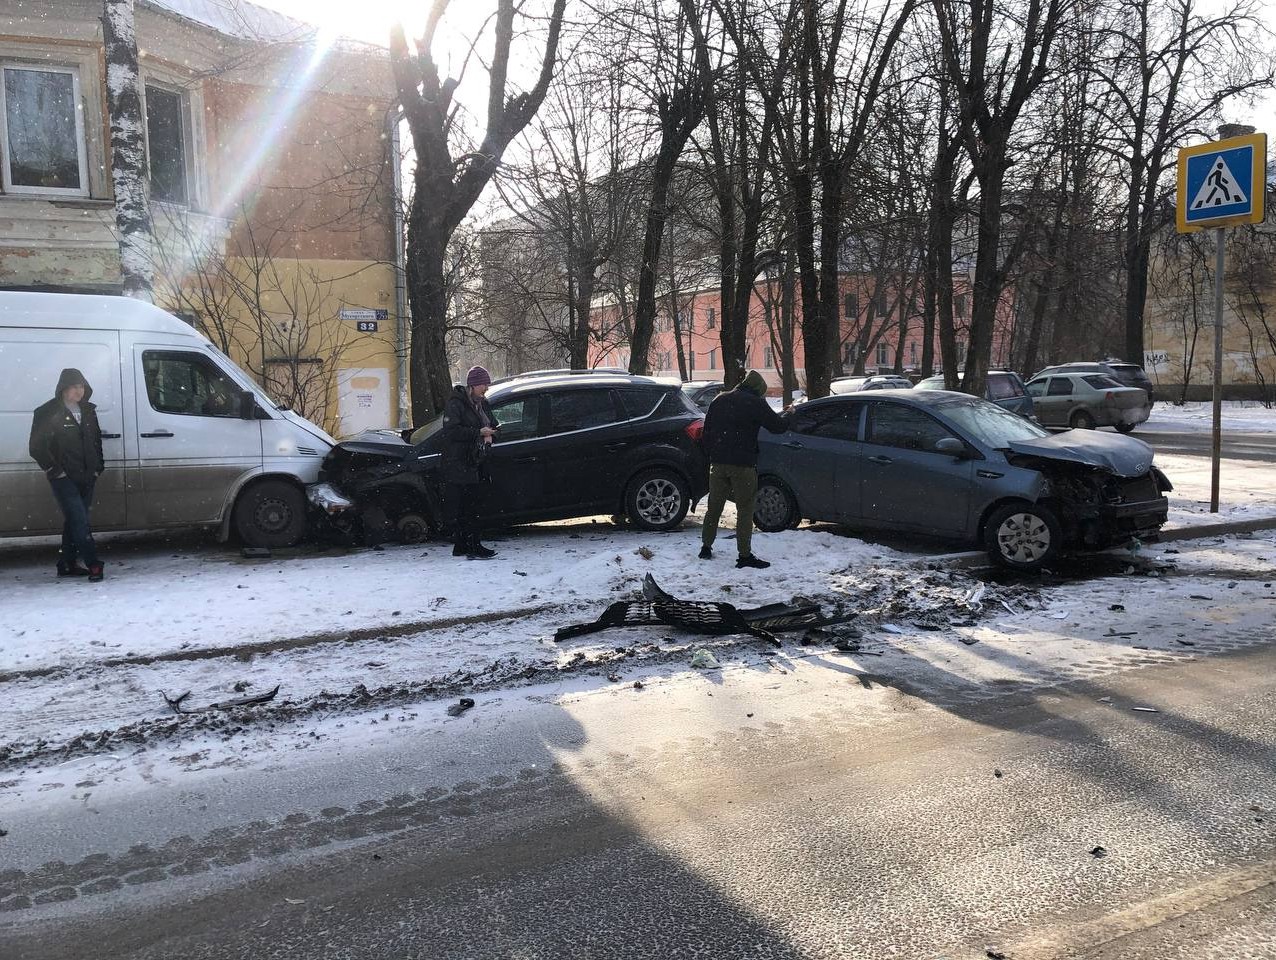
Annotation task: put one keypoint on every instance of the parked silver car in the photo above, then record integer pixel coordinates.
(951, 465)
(1084, 401)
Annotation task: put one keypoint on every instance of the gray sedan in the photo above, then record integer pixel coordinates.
(1084, 401)
(954, 466)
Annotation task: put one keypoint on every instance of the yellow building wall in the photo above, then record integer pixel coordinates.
(282, 322)
(1180, 349)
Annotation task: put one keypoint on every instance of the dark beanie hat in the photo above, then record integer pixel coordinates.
(478, 377)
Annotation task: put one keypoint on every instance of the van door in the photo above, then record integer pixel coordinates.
(192, 445)
(30, 362)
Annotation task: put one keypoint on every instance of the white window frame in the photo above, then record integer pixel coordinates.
(82, 148)
(188, 139)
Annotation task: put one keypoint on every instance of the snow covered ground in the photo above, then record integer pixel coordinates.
(1239, 416)
(1247, 490)
(87, 733)
(155, 602)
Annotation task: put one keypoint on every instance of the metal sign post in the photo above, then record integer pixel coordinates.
(1221, 184)
(1216, 448)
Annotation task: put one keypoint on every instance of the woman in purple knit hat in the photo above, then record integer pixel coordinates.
(468, 430)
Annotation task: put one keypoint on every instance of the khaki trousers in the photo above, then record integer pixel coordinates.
(739, 484)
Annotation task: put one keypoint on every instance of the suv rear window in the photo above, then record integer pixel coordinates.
(640, 401)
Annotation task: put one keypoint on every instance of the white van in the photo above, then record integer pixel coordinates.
(187, 436)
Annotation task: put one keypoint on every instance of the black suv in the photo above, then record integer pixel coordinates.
(569, 445)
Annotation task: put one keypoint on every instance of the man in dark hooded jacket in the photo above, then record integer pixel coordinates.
(66, 442)
(469, 427)
(731, 438)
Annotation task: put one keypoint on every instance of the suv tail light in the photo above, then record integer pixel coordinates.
(695, 430)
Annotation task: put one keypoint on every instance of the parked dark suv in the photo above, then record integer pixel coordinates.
(568, 446)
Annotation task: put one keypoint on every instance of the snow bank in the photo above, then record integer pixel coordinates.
(1239, 416)
(155, 602)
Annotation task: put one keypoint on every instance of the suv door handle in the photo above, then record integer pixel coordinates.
(157, 434)
(527, 460)
(110, 436)
(793, 444)
(616, 445)
(880, 459)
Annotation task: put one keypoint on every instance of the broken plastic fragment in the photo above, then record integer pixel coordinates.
(702, 659)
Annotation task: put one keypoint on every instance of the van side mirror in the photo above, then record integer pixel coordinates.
(247, 405)
(951, 446)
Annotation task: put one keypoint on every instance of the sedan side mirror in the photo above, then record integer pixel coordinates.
(247, 405)
(951, 446)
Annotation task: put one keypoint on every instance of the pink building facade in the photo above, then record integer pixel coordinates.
(869, 322)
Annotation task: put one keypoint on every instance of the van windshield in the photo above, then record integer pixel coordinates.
(231, 370)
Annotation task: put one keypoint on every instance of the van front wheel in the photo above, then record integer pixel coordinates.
(271, 513)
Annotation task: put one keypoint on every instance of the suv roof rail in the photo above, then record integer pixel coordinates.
(562, 372)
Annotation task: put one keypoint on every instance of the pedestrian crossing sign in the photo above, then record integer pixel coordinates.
(1222, 184)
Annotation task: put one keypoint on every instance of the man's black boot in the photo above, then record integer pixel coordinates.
(706, 552)
(749, 560)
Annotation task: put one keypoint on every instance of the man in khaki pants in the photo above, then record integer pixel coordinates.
(731, 439)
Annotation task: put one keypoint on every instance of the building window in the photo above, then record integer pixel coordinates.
(849, 353)
(961, 353)
(883, 355)
(912, 353)
(962, 305)
(713, 359)
(167, 139)
(42, 136)
(768, 358)
(710, 319)
(691, 361)
(852, 306)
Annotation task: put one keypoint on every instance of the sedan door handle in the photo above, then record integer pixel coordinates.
(880, 459)
(110, 436)
(617, 445)
(792, 444)
(158, 434)
(527, 460)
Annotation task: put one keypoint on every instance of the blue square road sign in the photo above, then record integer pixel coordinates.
(1222, 183)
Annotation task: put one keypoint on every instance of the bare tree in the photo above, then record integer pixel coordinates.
(445, 186)
(128, 149)
(1169, 68)
(996, 53)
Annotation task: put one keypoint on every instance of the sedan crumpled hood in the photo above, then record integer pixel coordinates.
(1123, 456)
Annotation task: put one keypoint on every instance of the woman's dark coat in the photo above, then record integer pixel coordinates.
(463, 460)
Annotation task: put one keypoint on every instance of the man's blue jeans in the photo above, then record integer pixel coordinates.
(77, 538)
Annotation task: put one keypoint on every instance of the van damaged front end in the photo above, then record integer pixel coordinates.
(1105, 488)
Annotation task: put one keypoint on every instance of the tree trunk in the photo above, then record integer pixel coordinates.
(679, 117)
(1136, 278)
(427, 245)
(987, 292)
(129, 173)
(940, 248)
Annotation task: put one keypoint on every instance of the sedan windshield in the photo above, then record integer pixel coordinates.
(990, 424)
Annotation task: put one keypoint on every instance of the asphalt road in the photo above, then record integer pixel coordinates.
(1236, 446)
(1057, 822)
